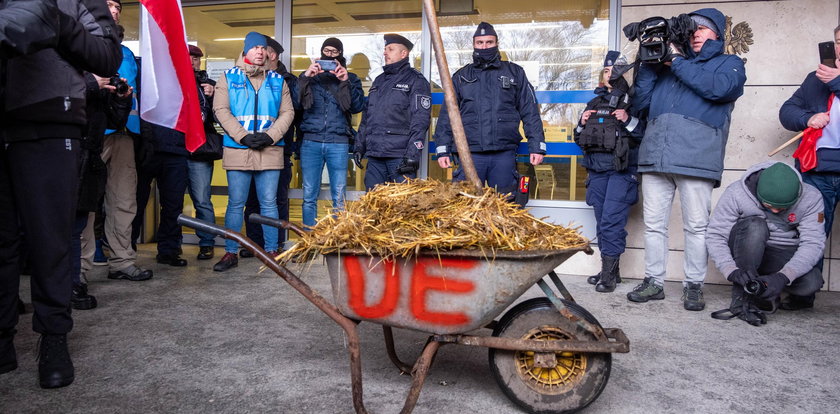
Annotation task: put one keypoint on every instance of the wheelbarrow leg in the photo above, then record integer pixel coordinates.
(560, 286)
(392, 353)
(419, 372)
(354, 348)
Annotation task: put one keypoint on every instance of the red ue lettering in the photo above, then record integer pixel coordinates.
(356, 285)
(421, 282)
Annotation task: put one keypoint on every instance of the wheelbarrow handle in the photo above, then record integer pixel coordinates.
(201, 225)
(273, 222)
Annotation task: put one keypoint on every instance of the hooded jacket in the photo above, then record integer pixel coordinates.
(45, 91)
(327, 105)
(269, 158)
(689, 106)
(799, 226)
(809, 99)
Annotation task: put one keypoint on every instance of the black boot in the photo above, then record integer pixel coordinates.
(593, 280)
(55, 369)
(81, 299)
(8, 357)
(609, 274)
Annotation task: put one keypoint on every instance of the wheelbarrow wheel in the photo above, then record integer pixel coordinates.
(576, 379)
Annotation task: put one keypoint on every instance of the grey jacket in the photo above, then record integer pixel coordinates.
(800, 225)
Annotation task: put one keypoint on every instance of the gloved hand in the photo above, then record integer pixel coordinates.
(740, 277)
(674, 51)
(775, 283)
(250, 141)
(357, 159)
(264, 140)
(408, 166)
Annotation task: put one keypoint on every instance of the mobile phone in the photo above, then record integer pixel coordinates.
(328, 65)
(827, 55)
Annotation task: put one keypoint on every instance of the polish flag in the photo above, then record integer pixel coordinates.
(168, 95)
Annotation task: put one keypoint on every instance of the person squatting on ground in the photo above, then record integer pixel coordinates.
(493, 97)
(816, 105)
(329, 98)
(766, 234)
(688, 101)
(42, 122)
(396, 119)
(254, 106)
(253, 230)
(609, 137)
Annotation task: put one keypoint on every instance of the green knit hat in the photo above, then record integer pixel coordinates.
(778, 186)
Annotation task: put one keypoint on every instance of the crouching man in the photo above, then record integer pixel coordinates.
(766, 234)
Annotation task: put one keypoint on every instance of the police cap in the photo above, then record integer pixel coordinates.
(395, 38)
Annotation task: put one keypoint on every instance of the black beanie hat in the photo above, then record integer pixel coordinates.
(395, 38)
(778, 186)
(485, 29)
(333, 42)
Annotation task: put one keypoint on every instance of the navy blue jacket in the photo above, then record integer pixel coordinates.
(397, 115)
(291, 146)
(809, 99)
(493, 99)
(328, 104)
(689, 107)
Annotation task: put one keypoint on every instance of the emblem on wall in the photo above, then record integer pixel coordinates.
(739, 37)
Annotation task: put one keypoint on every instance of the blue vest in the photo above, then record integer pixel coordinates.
(128, 70)
(256, 111)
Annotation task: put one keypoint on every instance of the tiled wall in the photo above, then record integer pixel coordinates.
(784, 51)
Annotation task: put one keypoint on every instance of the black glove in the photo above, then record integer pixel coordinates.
(740, 277)
(250, 141)
(408, 166)
(775, 283)
(357, 159)
(674, 51)
(264, 140)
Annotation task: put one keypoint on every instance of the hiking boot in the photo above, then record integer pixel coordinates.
(794, 302)
(55, 369)
(593, 280)
(205, 253)
(132, 273)
(645, 291)
(81, 300)
(693, 297)
(609, 273)
(228, 261)
(8, 357)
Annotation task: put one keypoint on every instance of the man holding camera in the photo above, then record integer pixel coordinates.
(815, 107)
(493, 97)
(766, 234)
(395, 122)
(689, 100)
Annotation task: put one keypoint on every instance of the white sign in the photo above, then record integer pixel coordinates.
(215, 68)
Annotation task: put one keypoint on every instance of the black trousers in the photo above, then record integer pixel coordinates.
(39, 184)
(172, 175)
(252, 206)
(748, 244)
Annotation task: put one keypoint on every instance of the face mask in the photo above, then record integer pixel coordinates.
(485, 55)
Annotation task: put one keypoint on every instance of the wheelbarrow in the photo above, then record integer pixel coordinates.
(547, 354)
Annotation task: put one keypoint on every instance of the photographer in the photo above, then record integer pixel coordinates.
(689, 101)
(766, 233)
(809, 108)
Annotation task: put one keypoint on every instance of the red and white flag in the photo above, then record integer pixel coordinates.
(168, 95)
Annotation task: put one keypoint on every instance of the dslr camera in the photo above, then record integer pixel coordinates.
(655, 34)
(755, 287)
(117, 82)
(202, 77)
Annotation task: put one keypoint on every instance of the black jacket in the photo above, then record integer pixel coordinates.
(493, 98)
(396, 119)
(45, 91)
(810, 98)
(27, 26)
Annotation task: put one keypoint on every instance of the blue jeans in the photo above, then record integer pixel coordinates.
(313, 156)
(239, 182)
(829, 186)
(201, 173)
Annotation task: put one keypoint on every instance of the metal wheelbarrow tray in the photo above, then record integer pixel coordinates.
(548, 355)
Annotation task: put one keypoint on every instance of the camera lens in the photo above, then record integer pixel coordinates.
(754, 287)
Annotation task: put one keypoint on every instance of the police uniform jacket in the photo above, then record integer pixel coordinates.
(493, 99)
(397, 116)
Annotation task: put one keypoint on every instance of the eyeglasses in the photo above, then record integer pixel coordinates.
(330, 51)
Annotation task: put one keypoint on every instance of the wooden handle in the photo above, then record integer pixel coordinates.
(781, 147)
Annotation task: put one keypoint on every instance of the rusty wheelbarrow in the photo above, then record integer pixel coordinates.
(548, 354)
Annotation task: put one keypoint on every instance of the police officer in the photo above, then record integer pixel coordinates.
(394, 124)
(493, 97)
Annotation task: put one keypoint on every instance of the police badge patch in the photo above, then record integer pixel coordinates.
(424, 101)
(418, 144)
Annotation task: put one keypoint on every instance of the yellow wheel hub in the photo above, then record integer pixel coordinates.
(569, 370)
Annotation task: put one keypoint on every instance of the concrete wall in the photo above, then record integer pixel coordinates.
(785, 34)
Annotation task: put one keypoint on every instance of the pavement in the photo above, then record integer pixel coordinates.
(193, 340)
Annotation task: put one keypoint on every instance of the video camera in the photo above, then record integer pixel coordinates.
(655, 33)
